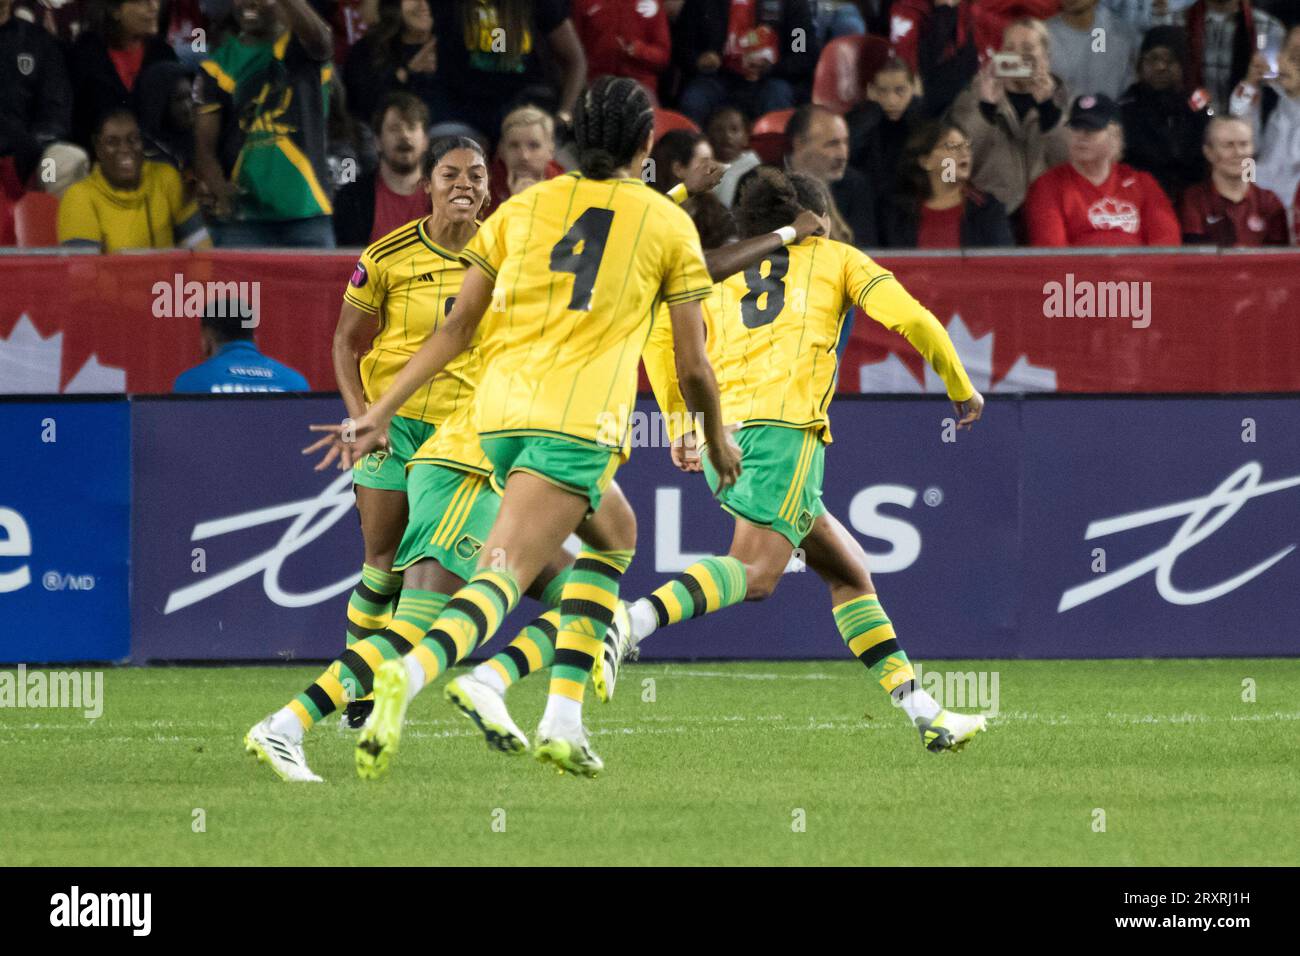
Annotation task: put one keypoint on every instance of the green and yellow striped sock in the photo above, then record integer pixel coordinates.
(866, 630)
(532, 650)
(586, 609)
(706, 586)
(554, 589)
(370, 607)
(470, 618)
(352, 676)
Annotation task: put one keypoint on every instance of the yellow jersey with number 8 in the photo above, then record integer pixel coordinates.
(579, 266)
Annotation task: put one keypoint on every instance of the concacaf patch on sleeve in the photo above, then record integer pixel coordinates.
(359, 276)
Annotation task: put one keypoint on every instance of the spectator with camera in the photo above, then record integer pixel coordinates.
(1092, 49)
(1227, 208)
(1164, 124)
(1273, 109)
(728, 134)
(934, 205)
(1093, 199)
(1223, 37)
(380, 201)
(742, 53)
(1014, 112)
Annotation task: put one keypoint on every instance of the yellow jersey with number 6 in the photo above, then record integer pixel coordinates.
(579, 266)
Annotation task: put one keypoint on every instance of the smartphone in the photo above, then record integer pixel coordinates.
(1011, 66)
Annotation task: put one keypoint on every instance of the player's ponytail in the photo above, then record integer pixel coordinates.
(611, 123)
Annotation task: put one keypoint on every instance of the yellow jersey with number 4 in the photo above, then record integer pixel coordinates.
(774, 330)
(409, 283)
(579, 266)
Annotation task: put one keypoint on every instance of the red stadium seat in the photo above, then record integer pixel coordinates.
(36, 220)
(666, 120)
(767, 137)
(845, 66)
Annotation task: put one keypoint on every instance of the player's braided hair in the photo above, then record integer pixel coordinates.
(444, 145)
(813, 194)
(610, 124)
(766, 201)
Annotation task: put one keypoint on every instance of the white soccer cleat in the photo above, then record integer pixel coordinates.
(483, 705)
(615, 650)
(285, 756)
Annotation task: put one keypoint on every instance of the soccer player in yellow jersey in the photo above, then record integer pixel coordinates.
(773, 332)
(569, 273)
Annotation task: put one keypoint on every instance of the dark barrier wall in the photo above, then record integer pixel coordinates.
(1107, 527)
(1071, 323)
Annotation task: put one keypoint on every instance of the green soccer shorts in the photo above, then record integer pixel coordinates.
(386, 470)
(780, 484)
(451, 513)
(580, 468)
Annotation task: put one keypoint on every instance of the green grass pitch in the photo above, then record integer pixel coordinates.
(754, 763)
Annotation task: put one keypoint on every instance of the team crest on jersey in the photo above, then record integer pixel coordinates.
(359, 276)
(805, 523)
(467, 546)
(26, 63)
(1111, 213)
(1255, 223)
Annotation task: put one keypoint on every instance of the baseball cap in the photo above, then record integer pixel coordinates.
(1092, 111)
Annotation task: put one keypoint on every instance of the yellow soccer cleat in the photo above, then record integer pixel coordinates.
(604, 674)
(568, 753)
(949, 731)
(383, 731)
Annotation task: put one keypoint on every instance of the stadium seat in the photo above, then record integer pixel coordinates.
(767, 137)
(36, 220)
(845, 65)
(666, 120)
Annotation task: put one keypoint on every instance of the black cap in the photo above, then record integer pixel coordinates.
(1092, 111)
(1173, 39)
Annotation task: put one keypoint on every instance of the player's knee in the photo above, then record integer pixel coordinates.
(760, 582)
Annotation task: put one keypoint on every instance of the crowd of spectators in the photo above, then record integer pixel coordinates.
(969, 123)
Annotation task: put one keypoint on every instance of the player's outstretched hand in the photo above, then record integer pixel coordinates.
(724, 456)
(969, 411)
(702, 177)
(686, 453)
(347, 442)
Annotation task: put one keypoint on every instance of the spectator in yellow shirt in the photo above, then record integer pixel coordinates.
(128, 202)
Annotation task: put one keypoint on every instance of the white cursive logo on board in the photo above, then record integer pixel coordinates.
(1204, 517)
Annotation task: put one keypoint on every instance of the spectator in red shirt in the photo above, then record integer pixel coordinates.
(935, 207)
(1094, 200)
(624, 38)
(525, 154)
(1228, 209)
(394, 194)
(122, 40)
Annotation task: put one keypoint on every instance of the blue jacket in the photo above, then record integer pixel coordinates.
(240, 367)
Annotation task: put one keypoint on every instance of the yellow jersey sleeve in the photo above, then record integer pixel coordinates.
(885, 300)
(661, 368)
(686, 277)
(366, 289)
